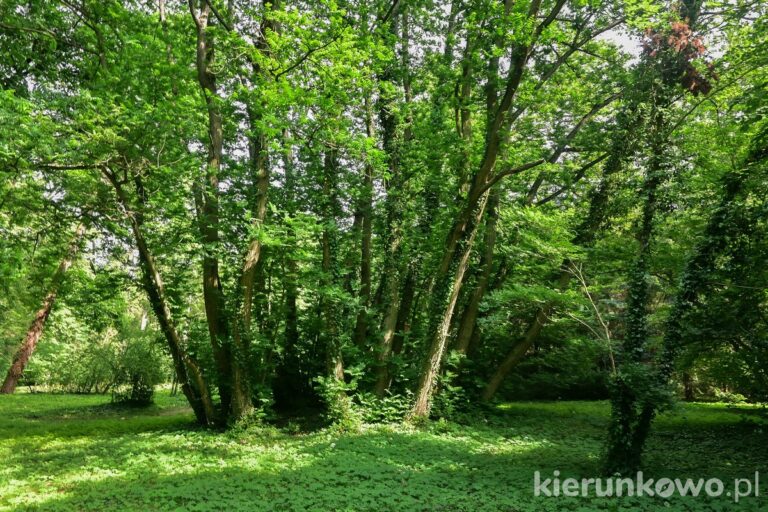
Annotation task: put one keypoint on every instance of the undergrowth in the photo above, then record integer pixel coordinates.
(67, 452)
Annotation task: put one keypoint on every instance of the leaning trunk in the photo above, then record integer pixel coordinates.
(433, 362)
(469, 319)
(188, 373)
(35, 330)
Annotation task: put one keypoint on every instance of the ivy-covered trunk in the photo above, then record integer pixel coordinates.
(631, 390)
(637, 393)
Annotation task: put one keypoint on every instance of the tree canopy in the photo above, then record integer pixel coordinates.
(323, 205)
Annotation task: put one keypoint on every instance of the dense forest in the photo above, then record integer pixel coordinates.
(386, 210)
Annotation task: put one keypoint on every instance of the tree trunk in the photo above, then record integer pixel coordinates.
(330, 333)
(433, 362)
(524, 345)
(188, 374)
(469, 318)
(257, 147)
(28, 345)
(288, 374)
(231, 366)
(626, 422)
(444, 288)
(208, 214)
(402, 326)
(629, 427)
(388, 328)
(366, 210)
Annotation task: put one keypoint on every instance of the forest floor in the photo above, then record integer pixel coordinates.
(65, 452)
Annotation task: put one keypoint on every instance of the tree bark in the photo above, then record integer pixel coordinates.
(433, 362)
(188, 373)
(35, 330)
(395, 338)
(469, 318)
(257, 147)
(208, 212)
(444, 287)
(631, 417)
(366, 209)
(524, 345)
(330, 331)
(231, 365)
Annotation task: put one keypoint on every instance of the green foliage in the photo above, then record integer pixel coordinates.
(66, 452)
(387, 409)
(339, 410)
(295, 208)
(141, 366)
(573, 371)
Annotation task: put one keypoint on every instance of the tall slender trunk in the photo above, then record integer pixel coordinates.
(469, 318)
(631, 415)
(446, 287)
(387, 299)
(330, 330)
(389, 287)
(396, 325)
(629, 427)
(389, 329)
(366, 210)
(257, 148)
(208, 213)
(693, 283)
(35, 330)
(188, 373)
(229, 350)
(433, 362)
(290, 378)
(252, 275)
(288, 370)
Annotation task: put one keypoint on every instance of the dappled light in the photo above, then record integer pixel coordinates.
(374, 255)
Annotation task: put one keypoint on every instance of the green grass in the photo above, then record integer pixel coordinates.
(63, 452)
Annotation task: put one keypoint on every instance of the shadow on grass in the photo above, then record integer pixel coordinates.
(154, 462)
(369, 471)
(381, 471)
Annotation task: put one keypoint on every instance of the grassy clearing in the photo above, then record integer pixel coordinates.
(63, 452)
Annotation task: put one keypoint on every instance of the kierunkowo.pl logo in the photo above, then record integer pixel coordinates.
(640, 486)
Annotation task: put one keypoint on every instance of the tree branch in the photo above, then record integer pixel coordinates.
(30, 29)
(304, 57)
(509, 172)
(576, 177)
(219, 17)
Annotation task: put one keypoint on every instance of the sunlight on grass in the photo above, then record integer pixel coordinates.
(65, 452)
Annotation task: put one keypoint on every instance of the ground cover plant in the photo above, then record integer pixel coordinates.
(75, 452)
(356, 243)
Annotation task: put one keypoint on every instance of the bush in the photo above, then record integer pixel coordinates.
(339, 408)
(387, 409)
(570, 372)
(138, 368)
(122, 359)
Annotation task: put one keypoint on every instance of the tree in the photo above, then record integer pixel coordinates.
(35, 331)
